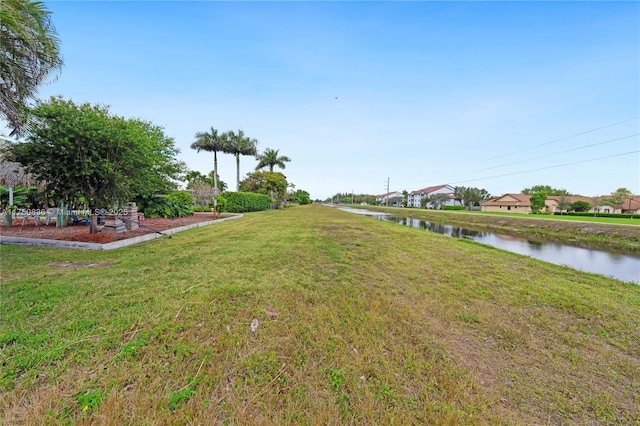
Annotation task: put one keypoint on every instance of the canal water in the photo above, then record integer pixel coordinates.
(625, 267)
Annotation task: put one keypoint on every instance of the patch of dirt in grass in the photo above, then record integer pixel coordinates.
(80, 264)
(81, 232)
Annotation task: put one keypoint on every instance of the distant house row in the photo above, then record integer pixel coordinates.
(521, 203)
(415, 198)
(512, 203)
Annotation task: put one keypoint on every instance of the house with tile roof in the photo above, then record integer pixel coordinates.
(632, 206)
(394, 198)
(521, 203)
(416, 197)
(553, 202)
(508, 203)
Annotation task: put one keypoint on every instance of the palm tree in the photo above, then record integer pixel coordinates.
(29, 52)
(270, 158)
(211, 142)
(239, 145)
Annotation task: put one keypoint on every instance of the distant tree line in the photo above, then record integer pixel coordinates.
(349, 198)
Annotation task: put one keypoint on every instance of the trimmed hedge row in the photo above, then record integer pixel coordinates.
(242, 202)
(453, 208)
(585, 214)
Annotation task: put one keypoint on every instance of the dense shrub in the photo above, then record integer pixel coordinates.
(174, 204)
(301, 197)
(221, 202)
(586, 214)
(180, 197)
(241, 202)
(202, 209)
(453, 208)
(580, 206)
(22, 196)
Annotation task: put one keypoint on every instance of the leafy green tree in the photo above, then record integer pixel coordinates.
(154, 168)
(405, 198)
(211, 141)
(222, 185)
(620, 197)
(546, 189)
(358, 199)
(271, 158)
(82, 150)
(194, 176)
(29, 53)
(239, 144)
(564, 204)
(474, 196)
(267, 183)
(301, 197)
(459, 193)
(436, 201)
(538, 200)
(580, 206)
(470, 196)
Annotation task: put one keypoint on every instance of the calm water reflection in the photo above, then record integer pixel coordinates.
(625, 267)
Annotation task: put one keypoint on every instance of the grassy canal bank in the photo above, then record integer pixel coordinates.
(312, 315)
(609, 233)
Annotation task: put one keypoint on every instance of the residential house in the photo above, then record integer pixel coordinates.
(416, 197)
(508, 203)
(632, 206)
(521, 203)
(553, 201)
(394, 198)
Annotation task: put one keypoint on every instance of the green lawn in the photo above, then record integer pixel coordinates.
(595, 219)
(312, 315)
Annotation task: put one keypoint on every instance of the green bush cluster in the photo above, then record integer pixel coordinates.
(586, 214)
(173, 204)
(301, 197)
(242, 202)
(221, 203)
(202, 209)
(453, 208)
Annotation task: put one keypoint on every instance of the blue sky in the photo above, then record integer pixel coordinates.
(428, 93)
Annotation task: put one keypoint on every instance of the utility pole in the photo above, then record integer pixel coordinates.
(387, 192)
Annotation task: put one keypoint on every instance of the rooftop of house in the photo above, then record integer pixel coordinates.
(389, 194)
(427, 190)
(524, 200)
(509, 200)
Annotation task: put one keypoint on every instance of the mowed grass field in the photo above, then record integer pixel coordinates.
(312, 315)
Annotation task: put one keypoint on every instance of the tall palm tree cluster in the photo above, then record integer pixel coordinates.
(30, 53)
(237, 144)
